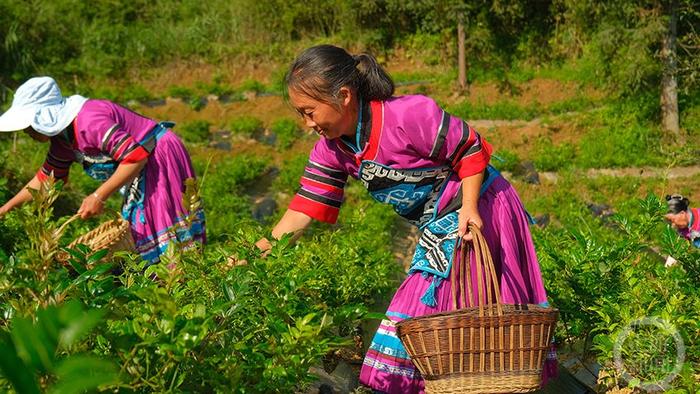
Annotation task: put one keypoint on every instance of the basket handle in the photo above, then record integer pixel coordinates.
(484, 261)
(59, 231)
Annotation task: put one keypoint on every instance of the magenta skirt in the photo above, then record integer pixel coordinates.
(164, 218)
(387, 367)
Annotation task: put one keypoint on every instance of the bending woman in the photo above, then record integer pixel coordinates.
(430, 166)
(125, 150)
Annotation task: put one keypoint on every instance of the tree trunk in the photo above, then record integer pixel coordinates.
(669, 86)
(461, 54)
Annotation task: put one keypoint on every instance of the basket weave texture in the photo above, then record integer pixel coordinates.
(113, 235)
(489, 348)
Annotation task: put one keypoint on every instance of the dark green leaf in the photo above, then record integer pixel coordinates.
(14, 369)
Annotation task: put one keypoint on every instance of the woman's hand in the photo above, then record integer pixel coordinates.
(465, 217)
(263, 244)
(125, 173)
(292, 222)
(92, 205)
(469, 212)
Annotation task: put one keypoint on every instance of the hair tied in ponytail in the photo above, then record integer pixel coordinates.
(357, 59)
(321, 71)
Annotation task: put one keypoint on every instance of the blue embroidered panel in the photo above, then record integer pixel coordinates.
(414, 193)
(404, 197)
(97, 166)
(436, 247)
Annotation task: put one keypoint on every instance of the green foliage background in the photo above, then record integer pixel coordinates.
(616, 43)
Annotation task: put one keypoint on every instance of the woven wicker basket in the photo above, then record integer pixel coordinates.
(490, 348)
(113, 235)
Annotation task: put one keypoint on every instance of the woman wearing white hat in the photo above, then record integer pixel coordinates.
(115, 145)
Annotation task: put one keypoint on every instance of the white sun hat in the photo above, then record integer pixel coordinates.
(39, 103)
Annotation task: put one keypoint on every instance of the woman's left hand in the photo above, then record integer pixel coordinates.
(92, 205)
(465, 217)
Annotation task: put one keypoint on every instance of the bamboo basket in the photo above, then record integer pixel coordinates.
(113, 235)
(490, 348)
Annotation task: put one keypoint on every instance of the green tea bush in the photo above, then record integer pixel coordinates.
(603, 279)
(246, 126)
(196, 131)
(550, 157)
(12, 237)
(252, 85)
(205, 326)
(101, 92)
(196, 103)
(223, 191)
(33, 350)
(288, 179)
(505, 160)
(135, 92)
(287, 132)
(277, 84)
(216, 87)
(180, 92)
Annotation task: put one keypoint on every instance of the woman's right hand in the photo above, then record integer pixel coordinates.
(263, 244)
(291, 222)
(92, 205)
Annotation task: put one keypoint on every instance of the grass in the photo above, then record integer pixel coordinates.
(550, 157)
(408, 77)
(504, 110)
(505, 160)
(690, 120)
(180, 92)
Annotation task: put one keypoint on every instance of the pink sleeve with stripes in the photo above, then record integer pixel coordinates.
(58, 160)
(101, 128)
(322, 185)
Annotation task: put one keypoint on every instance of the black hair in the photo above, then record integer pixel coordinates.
(320, 71)
(677, 203)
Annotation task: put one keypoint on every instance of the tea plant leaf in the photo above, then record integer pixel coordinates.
(14, 369)
(79, 374)
(34, 345)
(78, 322)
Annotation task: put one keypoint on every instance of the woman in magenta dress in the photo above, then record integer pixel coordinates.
(433, 168)
(128, 152)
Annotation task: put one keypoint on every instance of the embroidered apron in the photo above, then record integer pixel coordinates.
(415, 195)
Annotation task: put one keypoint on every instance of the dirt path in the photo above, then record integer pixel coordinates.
(640, 172)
